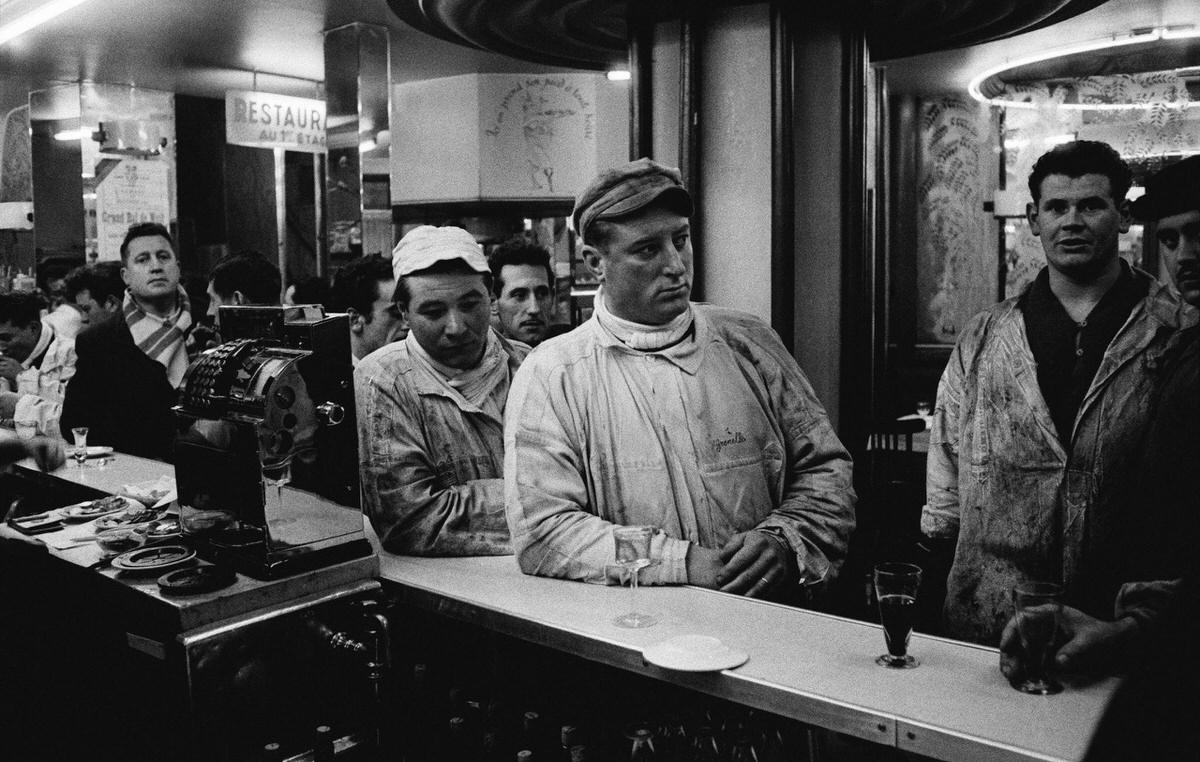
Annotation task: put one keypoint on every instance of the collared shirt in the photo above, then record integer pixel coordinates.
(715, 435)
(431, 461)
(42, 385)
(66, 320)
(1022, 503)
(1068, 353)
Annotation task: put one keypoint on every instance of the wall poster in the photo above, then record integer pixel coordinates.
(128, 191)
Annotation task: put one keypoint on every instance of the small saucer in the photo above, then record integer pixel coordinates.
(694, 653)
(193, 580)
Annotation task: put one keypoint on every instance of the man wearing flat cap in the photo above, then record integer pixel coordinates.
(689, 418)
(431, 407)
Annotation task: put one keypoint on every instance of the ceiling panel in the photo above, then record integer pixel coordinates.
(203, 47)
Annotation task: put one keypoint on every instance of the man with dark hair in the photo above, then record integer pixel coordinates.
(363, 289)
(523, 283)
(246, 277)
(690, 418)
(130, 367)
(63, 316)
(96, 290)
(431, 407)
(1160, 517)
(1042, 408)
(35, 365)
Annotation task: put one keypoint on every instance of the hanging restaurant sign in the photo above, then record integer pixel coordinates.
(265, 120)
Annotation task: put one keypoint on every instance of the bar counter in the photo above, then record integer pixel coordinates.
(808, 666)
(811, 667)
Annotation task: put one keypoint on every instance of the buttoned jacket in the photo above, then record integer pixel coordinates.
(1020, 503)
(717, 435)
(431, 462)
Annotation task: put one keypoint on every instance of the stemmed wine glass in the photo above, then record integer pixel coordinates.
(633, 555)
(896, 587)
(80, 434)
(1039, 612)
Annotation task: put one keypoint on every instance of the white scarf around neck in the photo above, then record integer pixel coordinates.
(475, 384)
(647, 338)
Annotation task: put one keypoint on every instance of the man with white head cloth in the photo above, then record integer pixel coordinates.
(431, 407)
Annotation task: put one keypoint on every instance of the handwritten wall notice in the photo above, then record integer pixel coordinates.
(131, 191)
(542, 134)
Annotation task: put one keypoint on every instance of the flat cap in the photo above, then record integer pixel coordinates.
(424, 246)
(625, 189)
(1173, 190)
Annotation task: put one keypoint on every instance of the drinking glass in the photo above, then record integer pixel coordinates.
(924, 408)
(896, 591)
(633, 555)
(80, 434)
(1039, 614)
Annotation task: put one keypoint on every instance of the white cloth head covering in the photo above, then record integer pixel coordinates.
(427, 245)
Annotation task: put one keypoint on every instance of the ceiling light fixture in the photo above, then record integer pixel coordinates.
(75, 134)
(36, 17)
(1135, 38)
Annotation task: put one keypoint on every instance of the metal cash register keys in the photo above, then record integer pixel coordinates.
(267, 459)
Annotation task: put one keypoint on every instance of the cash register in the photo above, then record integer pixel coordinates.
(266, 463)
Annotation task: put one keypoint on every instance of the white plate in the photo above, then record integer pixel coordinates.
(85, 511)
(694, 653)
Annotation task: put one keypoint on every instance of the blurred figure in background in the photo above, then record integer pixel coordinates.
(523, 283)
(47, 453)
(35, 365)
(314, 290)
(244, 278)
(363, 289)
(96, 290)
(1153, 715)
(60, 311)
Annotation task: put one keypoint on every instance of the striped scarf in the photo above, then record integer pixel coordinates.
(163, 340)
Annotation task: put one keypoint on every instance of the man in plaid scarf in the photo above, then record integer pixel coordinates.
(128, 371)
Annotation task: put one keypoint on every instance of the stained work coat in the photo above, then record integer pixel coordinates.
(1022, 504)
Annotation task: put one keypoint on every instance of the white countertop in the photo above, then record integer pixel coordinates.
(812, 667)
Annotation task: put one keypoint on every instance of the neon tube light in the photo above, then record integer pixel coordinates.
(36, 17)
(1173, 33)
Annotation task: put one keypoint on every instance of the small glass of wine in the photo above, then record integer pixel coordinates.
(1039, 613)
(80, 434)
(633, 555)
(896, 591)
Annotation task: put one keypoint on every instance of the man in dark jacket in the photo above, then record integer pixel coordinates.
(129, 368)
